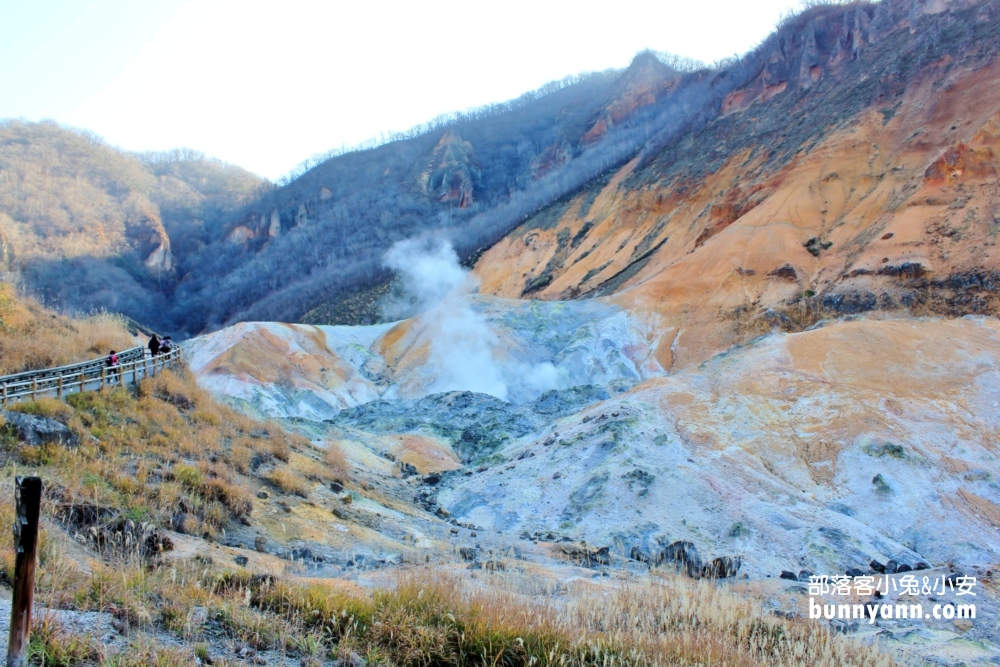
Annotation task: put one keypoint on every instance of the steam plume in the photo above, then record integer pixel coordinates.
(462, 345)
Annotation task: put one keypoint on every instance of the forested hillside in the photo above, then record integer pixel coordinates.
(86, 227)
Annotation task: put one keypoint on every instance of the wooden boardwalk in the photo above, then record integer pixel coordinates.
(133, 365)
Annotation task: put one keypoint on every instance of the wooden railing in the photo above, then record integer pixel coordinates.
(133, 364)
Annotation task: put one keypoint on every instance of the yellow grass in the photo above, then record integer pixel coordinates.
(336, 462)
(288, 482)
(32, 337)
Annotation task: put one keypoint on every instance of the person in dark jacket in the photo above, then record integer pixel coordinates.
(154, 345)
(112, 360)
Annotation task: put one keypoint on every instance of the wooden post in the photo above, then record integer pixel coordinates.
(59, 388)
(27, 499)
(103, 376)
(34, 389)
(5, 394)
(83, 380)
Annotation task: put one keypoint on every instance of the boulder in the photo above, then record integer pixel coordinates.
(785, 574)
(890, 566)
(684, 555)
(722, 567)
(260, 543)
(39, 431)
(638, 554)
(586, 555)
(877, 566)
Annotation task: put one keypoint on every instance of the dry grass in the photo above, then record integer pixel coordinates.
(287, 482)
(160, 454)
(336, 462)
(32, 337)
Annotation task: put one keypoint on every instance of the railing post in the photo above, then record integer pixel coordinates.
(83, 380)
(103, 376)
(59, 387)
(5, 394)
(27, 499)
(34, 389)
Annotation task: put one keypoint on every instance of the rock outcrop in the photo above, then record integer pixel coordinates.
(451, 172)
(37, 431)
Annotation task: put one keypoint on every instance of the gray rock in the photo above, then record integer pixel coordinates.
(785, 574)
(39, 431)
(877, 566)
(722, 567)
(242, 561)
(260, 544)
(890, 566)
(684, 555)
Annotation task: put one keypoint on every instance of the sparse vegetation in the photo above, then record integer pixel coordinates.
(336, 462)
(32, 337)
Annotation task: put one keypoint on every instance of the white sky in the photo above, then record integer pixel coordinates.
(267, 84)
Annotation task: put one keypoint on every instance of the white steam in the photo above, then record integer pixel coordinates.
(463, 349)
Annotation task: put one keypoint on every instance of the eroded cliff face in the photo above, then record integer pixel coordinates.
(451, 171)
(817, 193)
(646, 81)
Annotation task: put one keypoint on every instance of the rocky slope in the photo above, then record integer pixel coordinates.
(822, 450)
(850, 176)
(790, 450)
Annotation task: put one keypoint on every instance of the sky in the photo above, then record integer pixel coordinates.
(266, 85)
